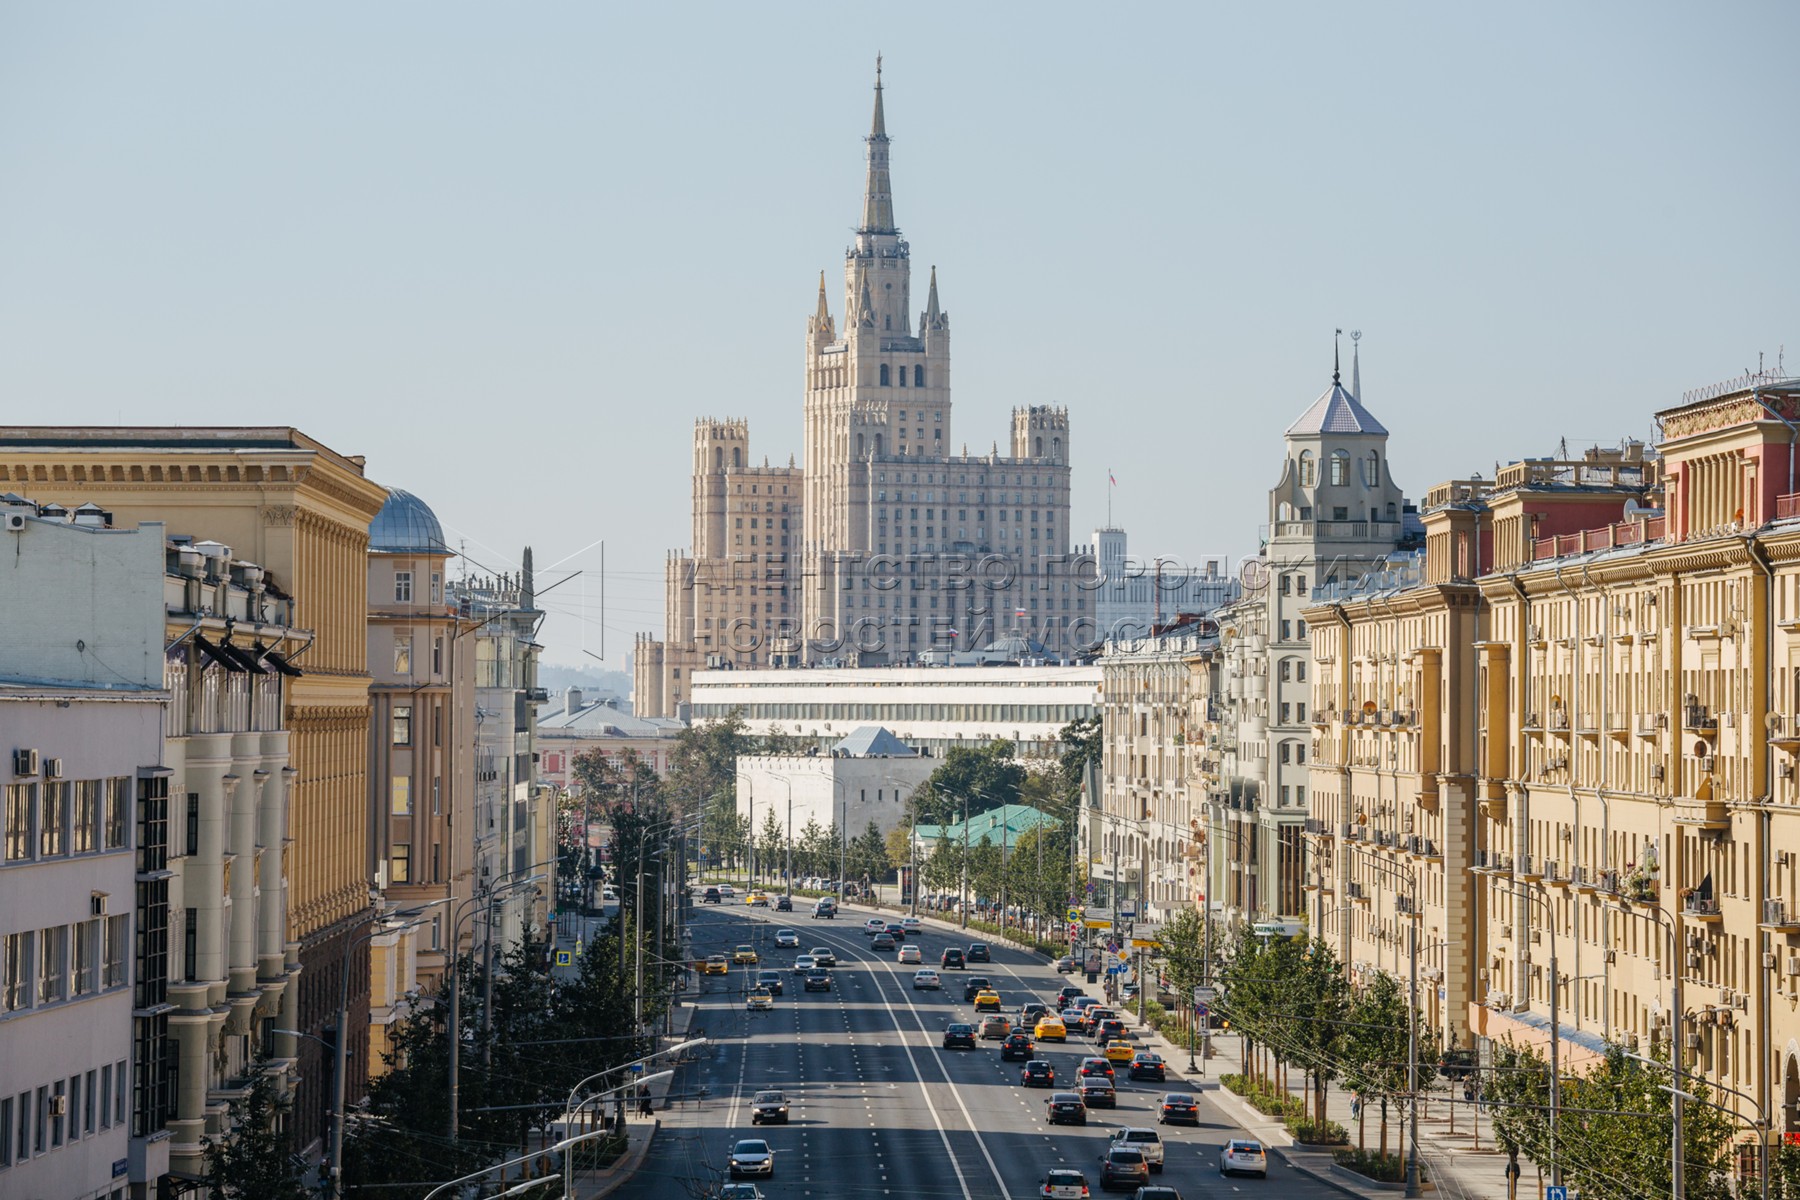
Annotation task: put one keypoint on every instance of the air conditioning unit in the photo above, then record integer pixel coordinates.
(1537, 937)
(1785, 770)
(25, 762)
(1793, 965)
(1505, 932)
(59, 1106)
(1657, 772)
(1742, 1001)
(97, 904)
(53, 768)
(1693, 962)
(1692, 1041)
(15, 521)
(1768, 960)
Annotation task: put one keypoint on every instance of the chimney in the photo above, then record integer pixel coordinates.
(571, 700)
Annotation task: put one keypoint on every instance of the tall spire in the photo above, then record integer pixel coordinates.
(934, 316)
(820, 326)
(1356, 363)
(878, 194)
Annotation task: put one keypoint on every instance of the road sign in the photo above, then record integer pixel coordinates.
(1554, 1191)
(1149, 943)
(1093, 924)
(565, 958)
(1074, 914)
(1205, 995)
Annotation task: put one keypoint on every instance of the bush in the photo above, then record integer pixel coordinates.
(1265, 1099)
(1383, 1168)
(1318, 1133)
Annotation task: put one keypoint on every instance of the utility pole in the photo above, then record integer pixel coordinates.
(1412, 1054)
(1204, 1020)
(965, 863)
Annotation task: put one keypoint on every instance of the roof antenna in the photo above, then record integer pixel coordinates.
(1336, 374)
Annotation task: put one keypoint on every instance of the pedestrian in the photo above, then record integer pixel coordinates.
(645, 1108)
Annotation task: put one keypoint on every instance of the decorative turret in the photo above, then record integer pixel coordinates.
(934, 319)
(819, 327)
(1041, 431)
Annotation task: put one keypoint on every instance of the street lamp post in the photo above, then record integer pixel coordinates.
(1677, 1137)
(1414, 914)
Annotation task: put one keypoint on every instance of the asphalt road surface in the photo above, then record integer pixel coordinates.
(878, 1108)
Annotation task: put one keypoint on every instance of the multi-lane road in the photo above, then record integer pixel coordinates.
(879, 1108)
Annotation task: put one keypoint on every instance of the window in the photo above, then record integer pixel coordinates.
(118, 805)
(87, 816)
(106, 1086)
(402, 724)
(403, 587)
(87, 957)
(403, 655)
(53, 964)
(437, 588)
(1372, 469)
(14, 984)
(112, 964)
(400, 870)
(437, 656)
(1340, 468)
(1309, 469)
(6, 1131)
(53, 822)
(402, 796)
(19, 798)
(884, 375)
(919, 378)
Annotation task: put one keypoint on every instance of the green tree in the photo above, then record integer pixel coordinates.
(982, 777)
(255, 1161)
(984, 870)
(868, 858)
(770, 843)
(941, 872)
(1082, 745)
(815, 852)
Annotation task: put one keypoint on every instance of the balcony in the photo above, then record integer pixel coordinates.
(1606, 882)
(1777, 918)
(1651, 724)
(1317, 826)
(1708, 814)
(1787, 506)
(1355, 891)
(1701, 908)
(1583, 879)
(1528, 868)
(1697, 718)
(1553, 873)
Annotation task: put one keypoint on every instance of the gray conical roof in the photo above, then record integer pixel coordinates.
(1337, 411)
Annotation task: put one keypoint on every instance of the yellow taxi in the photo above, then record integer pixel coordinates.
(744, 956)
(987, 1000)
(1050, 1029)
(715, 964)
(1120, 1051)
(757, 899)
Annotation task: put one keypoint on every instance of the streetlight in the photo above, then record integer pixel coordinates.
(1414, 912)
(1677, 1139)
(454, 1024)
(414, 917)
(1519, 893)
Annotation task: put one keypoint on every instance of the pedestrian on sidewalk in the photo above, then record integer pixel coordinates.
(645, 1108)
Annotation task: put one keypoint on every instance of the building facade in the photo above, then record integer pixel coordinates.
(277, 498)
(866, 778)
(1131, 596)
(884, 542)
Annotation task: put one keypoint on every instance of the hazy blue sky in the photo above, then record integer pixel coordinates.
(510, 252)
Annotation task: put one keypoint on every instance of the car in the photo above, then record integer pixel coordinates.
(727, 891)
(740, 1191)
(882, 941)
(787, 939)
(1068, 995)
(824, 956)
(952, 959)
(784, 903)
(873, 926)
(911, 925)
(1031, 1010)
(959, 1036)
(1066, 965)
(1099, 1012)
(1123, 1167)
(1039, 1072)
(1065, 1108)
(1064, 1184)
(910, 954)
(817, 981)
(1098, 1093)
(1178, 1108)
(1095, 1066)
(1108, 1031)
(752, 1156)
(759, 1000)
(974, 985)
(896, 930)
(744, 956)
(712, 895)
(825, 909)
(715, 964)
(1050, 1029)
(995, 1028)
(770, 981)
(770, 1106)
(1147, 1141)
(1120, 1051)
(1145, 1065)
(987, 1000)
(805, 963)
(1017, 1046)
(927, 980)
(1157, 1193)
(1071, 1019)
(1240, 1155)
(977, 952)
(756, 899)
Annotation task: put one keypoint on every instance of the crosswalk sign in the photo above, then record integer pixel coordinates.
(565, 958)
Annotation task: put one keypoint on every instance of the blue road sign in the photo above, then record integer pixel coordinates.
(1555, 1192)
(564, 958)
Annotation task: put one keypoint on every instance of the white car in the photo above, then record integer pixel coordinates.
(726, 890)
(805, 963)
(1147, 1140)
(1245, 1156)
(752, 1156)
(824, 956)
(787, 939)
(910, 954)
(1064, 1184)
(926, 980)
(910, 924)
(873, 926)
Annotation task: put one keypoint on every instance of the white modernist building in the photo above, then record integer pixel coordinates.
(1132, 596)
(930, 708)
(867, 777)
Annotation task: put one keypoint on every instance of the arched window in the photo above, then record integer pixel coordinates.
(878, 445)
(1309, 469)
(1340, 468)
(1392, 513)
(1056, 449)
(1372, 469)
(1040, 447)
(718, 458)
(859, 445)
(737, 456)
(884, 375)
(918, 376)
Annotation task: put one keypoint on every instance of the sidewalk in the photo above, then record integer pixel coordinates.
(640, 1132)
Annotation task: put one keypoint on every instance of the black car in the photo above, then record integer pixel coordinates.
(952, 960)
(959, 1036)
(1145, 1065)
(1097, 1092)
(897, 931)
(1065, 1108)
(882, 941)
(711, 896)
(977, 952)
(1122, 1168)
(1037, 1073)
(1110, 1030)
(1069, 993)
(973, 984)
(784, 904)
(770, 981)
(1017, 1046)
(818, 981)
(1179, 1108)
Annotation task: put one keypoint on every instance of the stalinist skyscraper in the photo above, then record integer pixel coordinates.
(881, 545)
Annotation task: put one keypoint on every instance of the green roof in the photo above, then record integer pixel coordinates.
(1017, 819)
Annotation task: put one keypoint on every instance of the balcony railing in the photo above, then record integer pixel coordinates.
(1787, 506)
(1701, 906)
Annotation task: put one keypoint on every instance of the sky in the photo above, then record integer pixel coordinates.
(511, 253)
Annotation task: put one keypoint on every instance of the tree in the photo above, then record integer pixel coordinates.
(255, 1161)
(982, 777)
(1082, 744)
(899, 846)
(769, 844)
(941, 871)
(816, 850)
(868, 857)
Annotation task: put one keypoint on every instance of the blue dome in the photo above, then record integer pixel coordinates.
(406, 525)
